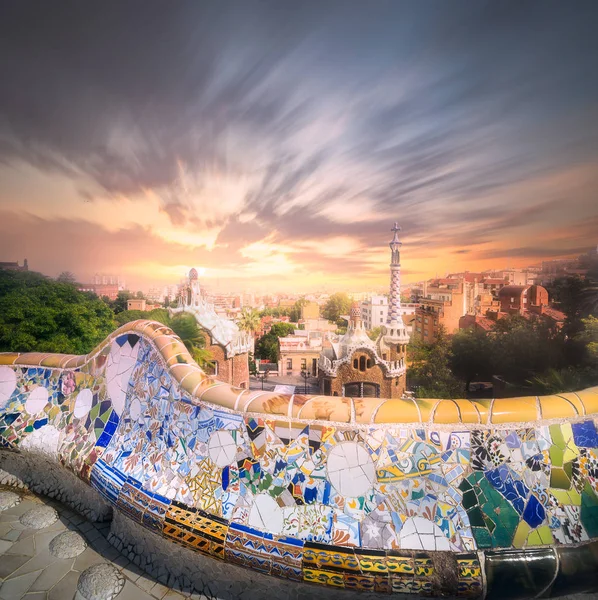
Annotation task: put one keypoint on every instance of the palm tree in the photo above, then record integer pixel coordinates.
(185, 326)
(249, 320)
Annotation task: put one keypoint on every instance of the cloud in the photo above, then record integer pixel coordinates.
(229, 123)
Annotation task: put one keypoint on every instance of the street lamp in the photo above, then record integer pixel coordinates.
(305, 375)
(263, 376)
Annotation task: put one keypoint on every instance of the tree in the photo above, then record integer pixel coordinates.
(266, 347)
(589, 336)
(249, 320)
(295, 312)
(429, 371)
(140, 295)
(183, 324)
(40, 314)
(471, 356)
(120, 304)
(66, 277)
(338, 304)
(374, 334)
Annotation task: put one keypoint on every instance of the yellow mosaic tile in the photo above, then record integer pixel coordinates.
(512, 410)
(371, 563)
(222, 395)
(397, 411)
(426, 406)
(469, 411)
(323, 577)
(271, 403)
(556, 407)
(446, 411)
(589, 398)
(424, 567)
(400, 564)
(327, 408)
(521, 534)
(8, 358)
(365, 408)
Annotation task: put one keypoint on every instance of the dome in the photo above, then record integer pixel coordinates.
(193, 274)
(355, 311)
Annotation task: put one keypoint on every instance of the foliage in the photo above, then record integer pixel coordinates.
(252, 364)
(374, 334)
(589, 336)
(429, 372)
(266, 347)
(249, 320)
(471, 356)
(66, 277)
(295, 312)
(274, 312)
(338, 304)
(183, 324)
(522, 348)
(120, 304)
(570, 379)
(40, 314)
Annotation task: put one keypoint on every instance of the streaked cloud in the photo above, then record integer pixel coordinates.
(275, 144)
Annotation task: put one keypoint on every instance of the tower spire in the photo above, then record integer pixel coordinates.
(394, 301)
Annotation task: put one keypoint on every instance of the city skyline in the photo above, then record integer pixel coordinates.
(274, 147)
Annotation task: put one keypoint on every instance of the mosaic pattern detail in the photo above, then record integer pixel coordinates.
(253, 479)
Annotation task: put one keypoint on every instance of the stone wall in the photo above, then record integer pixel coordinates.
(388, 496)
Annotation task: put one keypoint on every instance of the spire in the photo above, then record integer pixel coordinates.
(394, 301)
(395, 246)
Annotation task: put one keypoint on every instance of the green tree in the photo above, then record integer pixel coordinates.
(523, 348)
(249, 320)
(374, 333)
(589, 337)
(295, 312)
(471, 356)
(183, 324)
(266, 347)
(338, 304)
(429, 371)
(120, 304)
(66, 277)
(40, 314)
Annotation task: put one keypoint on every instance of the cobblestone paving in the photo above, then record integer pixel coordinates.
(30, 571)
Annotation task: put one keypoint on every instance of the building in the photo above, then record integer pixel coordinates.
(356, 366)
(228, 345)
(141, 304)
(310, 310)
(445, 301)
(14, 266)
(321, 325)
(299, 353)
(110, 290)
(374, 312)
(519, 299)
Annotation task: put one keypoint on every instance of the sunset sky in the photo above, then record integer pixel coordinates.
(274, 143)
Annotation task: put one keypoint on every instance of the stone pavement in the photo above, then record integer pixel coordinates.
(30, 567)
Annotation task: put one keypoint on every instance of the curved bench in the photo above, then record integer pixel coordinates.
(490, 498)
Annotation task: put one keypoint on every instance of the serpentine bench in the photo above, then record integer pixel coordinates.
(459, 498)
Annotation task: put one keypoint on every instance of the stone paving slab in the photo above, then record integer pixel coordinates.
(29, 571)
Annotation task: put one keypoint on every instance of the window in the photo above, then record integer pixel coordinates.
(212, 368)
(289, 364)
(361, 390)
(355, 363)
(426, 320)
(381, 313)
(362, 363)
(425, 332)
(327, 387)
(304, 364)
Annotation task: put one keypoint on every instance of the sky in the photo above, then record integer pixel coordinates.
(273, 144)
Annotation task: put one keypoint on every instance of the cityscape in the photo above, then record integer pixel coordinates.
(298, 300)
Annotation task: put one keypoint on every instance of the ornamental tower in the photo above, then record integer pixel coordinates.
(394, 332)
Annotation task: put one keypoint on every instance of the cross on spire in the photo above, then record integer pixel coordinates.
(396, 227)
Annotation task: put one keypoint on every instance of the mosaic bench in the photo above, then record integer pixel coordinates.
(473, 499)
